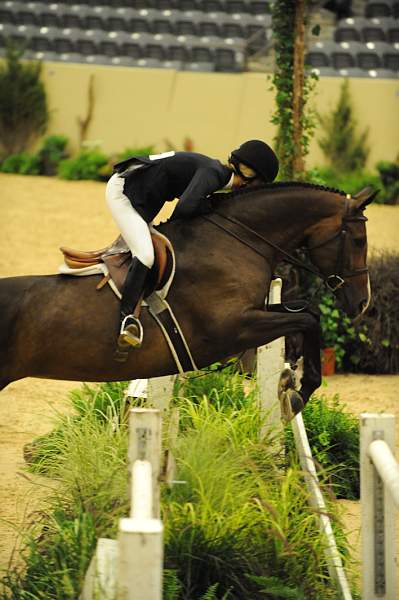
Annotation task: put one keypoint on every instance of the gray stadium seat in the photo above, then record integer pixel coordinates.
(379, 55)
(233, 30)
(379, 8)
(352, 72)
(109, 47)
(179, 52)
(147, 63)
(211, 5)
(391, 59)
(238, 6)
(319, 54)
(209, 28)
(202, 54)
(118, 18)
(370, 57)
(187, 5)
(20, 34)
(97, 18)
(134, 45)
(393, 32)
(325, 71)
(42, 56)
(260, 7)
(43, 40)
(139, 24)
(7, 15)
(199, 66)
(122, 61)
(350, 30)
(176, 65)
(228, 60)
(344, 56)
(73, 17)
(186, 26)
(70, 57)
(374, 32)
(383, 74)
(50, 16)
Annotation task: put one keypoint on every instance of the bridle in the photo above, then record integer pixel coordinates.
(334, 281)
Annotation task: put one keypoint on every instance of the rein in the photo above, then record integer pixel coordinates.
(333, 281)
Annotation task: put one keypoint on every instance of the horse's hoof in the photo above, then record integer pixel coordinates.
(291, 404)
(291, 401)
(287, 381)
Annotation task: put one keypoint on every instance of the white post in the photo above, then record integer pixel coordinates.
(140, 559)
(100, 579)
(378, 514)
(145, 445)
(335, 567)
(137, 388)
(269, 364)
(140, 542)
(160, 391)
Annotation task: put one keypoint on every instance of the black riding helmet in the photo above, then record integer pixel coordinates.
(258, 156)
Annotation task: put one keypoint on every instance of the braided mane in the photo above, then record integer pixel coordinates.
(277, 185)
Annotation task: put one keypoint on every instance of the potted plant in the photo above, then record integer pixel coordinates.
(337, 330)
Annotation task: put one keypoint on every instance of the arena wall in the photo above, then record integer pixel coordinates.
(141, 107)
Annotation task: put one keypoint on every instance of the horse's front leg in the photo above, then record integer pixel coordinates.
(261, 327)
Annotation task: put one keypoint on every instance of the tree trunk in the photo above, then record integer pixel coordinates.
(299, 52)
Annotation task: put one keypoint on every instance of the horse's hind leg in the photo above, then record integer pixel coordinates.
(261, 327)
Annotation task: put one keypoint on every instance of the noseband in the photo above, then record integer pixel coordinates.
(334, 281)
(337, 279)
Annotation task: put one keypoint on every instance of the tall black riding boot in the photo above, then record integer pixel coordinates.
(131, 331)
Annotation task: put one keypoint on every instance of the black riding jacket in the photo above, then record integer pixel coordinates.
(189, 176)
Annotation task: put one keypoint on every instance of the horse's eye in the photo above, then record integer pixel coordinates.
(359, 242)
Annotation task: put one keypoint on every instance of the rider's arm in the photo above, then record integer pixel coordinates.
(193, 200)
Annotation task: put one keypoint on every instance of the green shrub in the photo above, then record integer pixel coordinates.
(106, 170)
(344, 148)
(23, 104)
(51, 153)
(334, 440)
(23, 163)
(389, 175)
(379, 353)
(86, 165)
(139, 151)
(351, 183)
(337, 329)
(102, 403)
(238, 528)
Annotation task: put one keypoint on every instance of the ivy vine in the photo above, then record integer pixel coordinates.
(289, 145)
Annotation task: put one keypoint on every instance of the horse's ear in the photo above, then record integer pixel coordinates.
(364, 197)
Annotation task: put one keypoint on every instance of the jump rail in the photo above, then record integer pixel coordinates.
(270, 363)
(379, 494)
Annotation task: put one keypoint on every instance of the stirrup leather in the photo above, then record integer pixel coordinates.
(131, 332)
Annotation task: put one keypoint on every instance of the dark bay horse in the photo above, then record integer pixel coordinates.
(61, 327)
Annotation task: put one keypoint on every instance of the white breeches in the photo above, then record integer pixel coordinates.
(132, 226)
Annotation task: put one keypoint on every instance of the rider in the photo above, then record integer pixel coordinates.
(141, 185)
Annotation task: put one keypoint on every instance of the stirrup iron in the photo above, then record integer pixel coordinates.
(131, 332)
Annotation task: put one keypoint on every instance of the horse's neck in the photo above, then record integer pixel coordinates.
(284, 215)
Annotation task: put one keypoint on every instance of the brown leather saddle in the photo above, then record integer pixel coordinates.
(117, 258)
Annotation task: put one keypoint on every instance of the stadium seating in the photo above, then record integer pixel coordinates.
(194, 35)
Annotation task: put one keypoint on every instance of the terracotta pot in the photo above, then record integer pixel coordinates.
(328, 361)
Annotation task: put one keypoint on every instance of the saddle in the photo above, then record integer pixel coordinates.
(117, 257)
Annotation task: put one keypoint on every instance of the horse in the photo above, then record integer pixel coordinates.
(61, 327)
